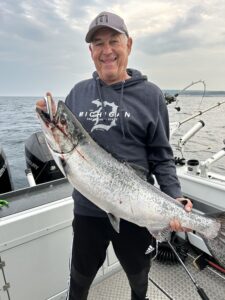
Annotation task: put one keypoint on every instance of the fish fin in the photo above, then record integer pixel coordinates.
(216, 246)
(115, 222)
(160, 235)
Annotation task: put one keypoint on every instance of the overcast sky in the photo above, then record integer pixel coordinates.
(42, 45)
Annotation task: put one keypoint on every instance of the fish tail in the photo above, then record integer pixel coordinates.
(216, 245)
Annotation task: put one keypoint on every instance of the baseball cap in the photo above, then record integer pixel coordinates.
(106, 19)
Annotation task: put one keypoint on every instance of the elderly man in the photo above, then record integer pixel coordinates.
(127, 115)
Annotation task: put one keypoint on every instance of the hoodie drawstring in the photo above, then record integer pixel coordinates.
(100, 98)
(121, 115)
(120, 109)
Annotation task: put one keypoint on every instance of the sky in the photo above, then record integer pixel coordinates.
(42, 46)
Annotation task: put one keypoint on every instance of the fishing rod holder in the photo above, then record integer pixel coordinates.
(205, 166)
(185, 138)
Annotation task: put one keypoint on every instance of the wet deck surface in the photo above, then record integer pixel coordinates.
(171, 278)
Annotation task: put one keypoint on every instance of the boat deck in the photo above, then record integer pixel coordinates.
(171, 278)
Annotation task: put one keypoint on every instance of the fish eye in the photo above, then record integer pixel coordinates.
(63, 121)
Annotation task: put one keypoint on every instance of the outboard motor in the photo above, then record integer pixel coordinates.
(39, 159)
(6, 184)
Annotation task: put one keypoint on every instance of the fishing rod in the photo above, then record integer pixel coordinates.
(187, 87)
(173, 98)
(175, 125)
(199, 113)
(200, 290)
(161, 289)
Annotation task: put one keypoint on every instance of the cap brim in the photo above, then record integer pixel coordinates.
(89, 36)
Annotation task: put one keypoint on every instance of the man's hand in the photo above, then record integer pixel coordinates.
(175, 224)
(41, 104)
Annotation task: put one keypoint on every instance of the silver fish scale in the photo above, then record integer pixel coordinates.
(118, 190)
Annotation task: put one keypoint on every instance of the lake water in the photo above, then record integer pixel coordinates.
(18, 121)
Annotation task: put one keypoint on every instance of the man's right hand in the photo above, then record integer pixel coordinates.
(41, 104)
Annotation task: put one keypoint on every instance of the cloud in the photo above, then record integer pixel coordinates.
(28, 31)
(43, 41)
(179, 35)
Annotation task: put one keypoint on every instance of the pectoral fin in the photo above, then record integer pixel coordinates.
(115, 222)
(160, 235)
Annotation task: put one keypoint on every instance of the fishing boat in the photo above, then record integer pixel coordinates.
(36, 235)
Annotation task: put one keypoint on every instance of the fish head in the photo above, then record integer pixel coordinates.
(63, 132)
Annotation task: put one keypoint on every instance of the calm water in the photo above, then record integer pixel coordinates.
(18, 121)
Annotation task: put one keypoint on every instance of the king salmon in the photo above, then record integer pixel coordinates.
(116, 188)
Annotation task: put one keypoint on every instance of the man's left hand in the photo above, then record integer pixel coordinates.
(175, 224)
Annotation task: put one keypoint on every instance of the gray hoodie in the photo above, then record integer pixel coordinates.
(130, 120)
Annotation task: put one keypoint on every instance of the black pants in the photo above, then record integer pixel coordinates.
(91, 239)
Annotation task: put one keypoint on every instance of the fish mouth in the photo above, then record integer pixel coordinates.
(43, 114)
(57, 136)
(63, 131)
(58, 120)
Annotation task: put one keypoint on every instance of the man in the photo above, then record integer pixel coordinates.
(127, 116)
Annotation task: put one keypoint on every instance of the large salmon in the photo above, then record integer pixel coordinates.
(116, 188)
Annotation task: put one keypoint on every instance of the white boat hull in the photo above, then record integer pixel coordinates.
(35, 245)
(208, 196)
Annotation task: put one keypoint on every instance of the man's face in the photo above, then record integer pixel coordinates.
(110, 51)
